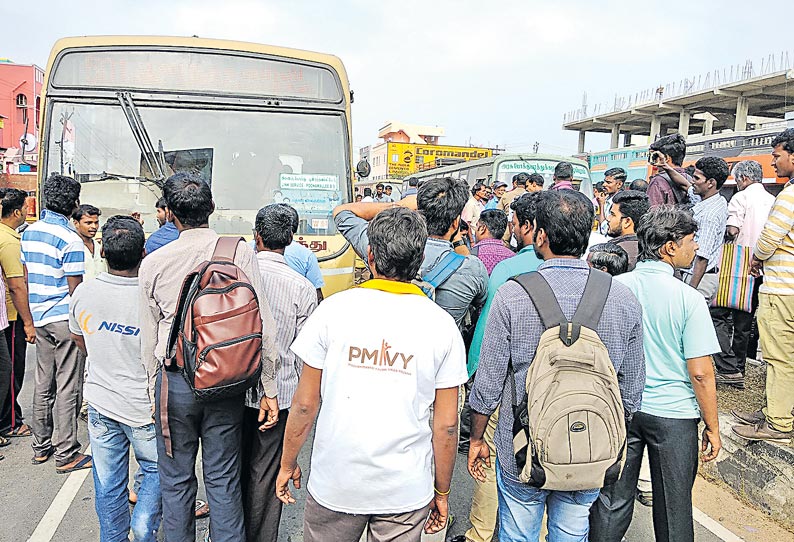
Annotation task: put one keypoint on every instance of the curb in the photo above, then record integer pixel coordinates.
(760, 473)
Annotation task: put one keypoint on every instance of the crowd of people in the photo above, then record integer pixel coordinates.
(569, 347)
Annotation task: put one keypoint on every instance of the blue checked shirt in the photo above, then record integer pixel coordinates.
(513, 332)
(52, 251)
(711, 216)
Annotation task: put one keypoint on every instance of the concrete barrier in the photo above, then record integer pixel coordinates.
(760, 473)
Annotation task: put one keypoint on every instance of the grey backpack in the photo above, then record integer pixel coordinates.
(569, 432)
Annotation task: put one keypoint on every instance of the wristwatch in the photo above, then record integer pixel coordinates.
(458, 243)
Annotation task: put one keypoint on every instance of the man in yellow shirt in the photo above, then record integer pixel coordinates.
(20, 330)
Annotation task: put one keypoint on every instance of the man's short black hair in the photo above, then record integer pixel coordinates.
(640, 185)
(521, 179)
(536, 179)
(296, 219)
(525, 207)
(661, 224)
(161, 204)
(476, 188)
(673, 145)
(617, 173)
(367, 192)
(12, 199)
(85, 210)
(441, 200)
(387, 187)
(189, 198)
(122, 242)
(609, 256)
(397, 238)
(496, 222)
(274, 226)
(60, 194)
(633, 204)
(379, 185)
(567, 218)
(563, 171)
(785, 138)
(412, 181)
(714, 167)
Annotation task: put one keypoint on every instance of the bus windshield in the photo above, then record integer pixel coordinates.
(249, 158)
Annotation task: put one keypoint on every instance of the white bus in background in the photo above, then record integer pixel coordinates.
(503, 167)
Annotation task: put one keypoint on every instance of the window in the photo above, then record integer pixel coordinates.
(22, 106)
(395, 158)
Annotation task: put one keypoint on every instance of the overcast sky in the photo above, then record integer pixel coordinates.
(491, 73)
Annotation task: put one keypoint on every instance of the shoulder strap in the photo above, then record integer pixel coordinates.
(594, 298)
(543, 298)
(444, 269)
(475, 251)
(226, 248)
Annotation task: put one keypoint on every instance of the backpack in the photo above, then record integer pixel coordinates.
(216, 337)
(439, 273)
(569, 432)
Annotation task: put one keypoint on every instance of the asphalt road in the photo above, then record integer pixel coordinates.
(34, 499)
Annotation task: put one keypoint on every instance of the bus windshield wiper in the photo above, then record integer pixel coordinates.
(155, 159)
(105, 176)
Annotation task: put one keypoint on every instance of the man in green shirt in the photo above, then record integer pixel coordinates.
(484, 503)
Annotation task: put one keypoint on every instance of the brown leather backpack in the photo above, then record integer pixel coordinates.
(216, 336)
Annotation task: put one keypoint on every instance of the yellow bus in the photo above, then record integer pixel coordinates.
(260, 124)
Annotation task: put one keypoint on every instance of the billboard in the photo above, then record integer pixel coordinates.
(406, 158)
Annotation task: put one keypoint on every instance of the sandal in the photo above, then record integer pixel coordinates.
(39, 459)
(4, 441)
(202, 509)
(81, 462)
(18, 432)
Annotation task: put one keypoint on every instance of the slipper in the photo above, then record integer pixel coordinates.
(38, 460)
(18, 432)
(202, 509)
(4, 441)
(82, 462)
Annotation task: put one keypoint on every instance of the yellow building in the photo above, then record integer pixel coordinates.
(408, 148)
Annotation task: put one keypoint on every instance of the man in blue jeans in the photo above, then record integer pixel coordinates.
(562, 224)
(104, 322)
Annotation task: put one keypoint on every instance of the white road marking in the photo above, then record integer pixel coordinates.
(52, 518)
(716, 529)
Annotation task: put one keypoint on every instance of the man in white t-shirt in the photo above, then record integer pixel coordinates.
(377, 463)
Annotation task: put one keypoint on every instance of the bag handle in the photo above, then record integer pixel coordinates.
(542, 296)
(226, 248)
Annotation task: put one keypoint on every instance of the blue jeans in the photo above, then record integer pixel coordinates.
(110, 448)
(521, 508)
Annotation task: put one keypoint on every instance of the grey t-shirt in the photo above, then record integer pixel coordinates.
(105, 312)
(467, 286)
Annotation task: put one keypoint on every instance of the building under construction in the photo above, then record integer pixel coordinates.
(737, 99)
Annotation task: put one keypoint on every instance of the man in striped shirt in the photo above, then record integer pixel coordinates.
(53, 253)
(292, 299)
(775, 250)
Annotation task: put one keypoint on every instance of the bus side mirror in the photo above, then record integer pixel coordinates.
(363, 169)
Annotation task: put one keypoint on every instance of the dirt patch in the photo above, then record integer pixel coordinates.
(751, 398)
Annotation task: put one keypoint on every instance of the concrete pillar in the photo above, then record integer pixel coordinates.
(708, 125)
(742, 106)
(615, 141)
(656, 126)
(683, 122)
(581, 141)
